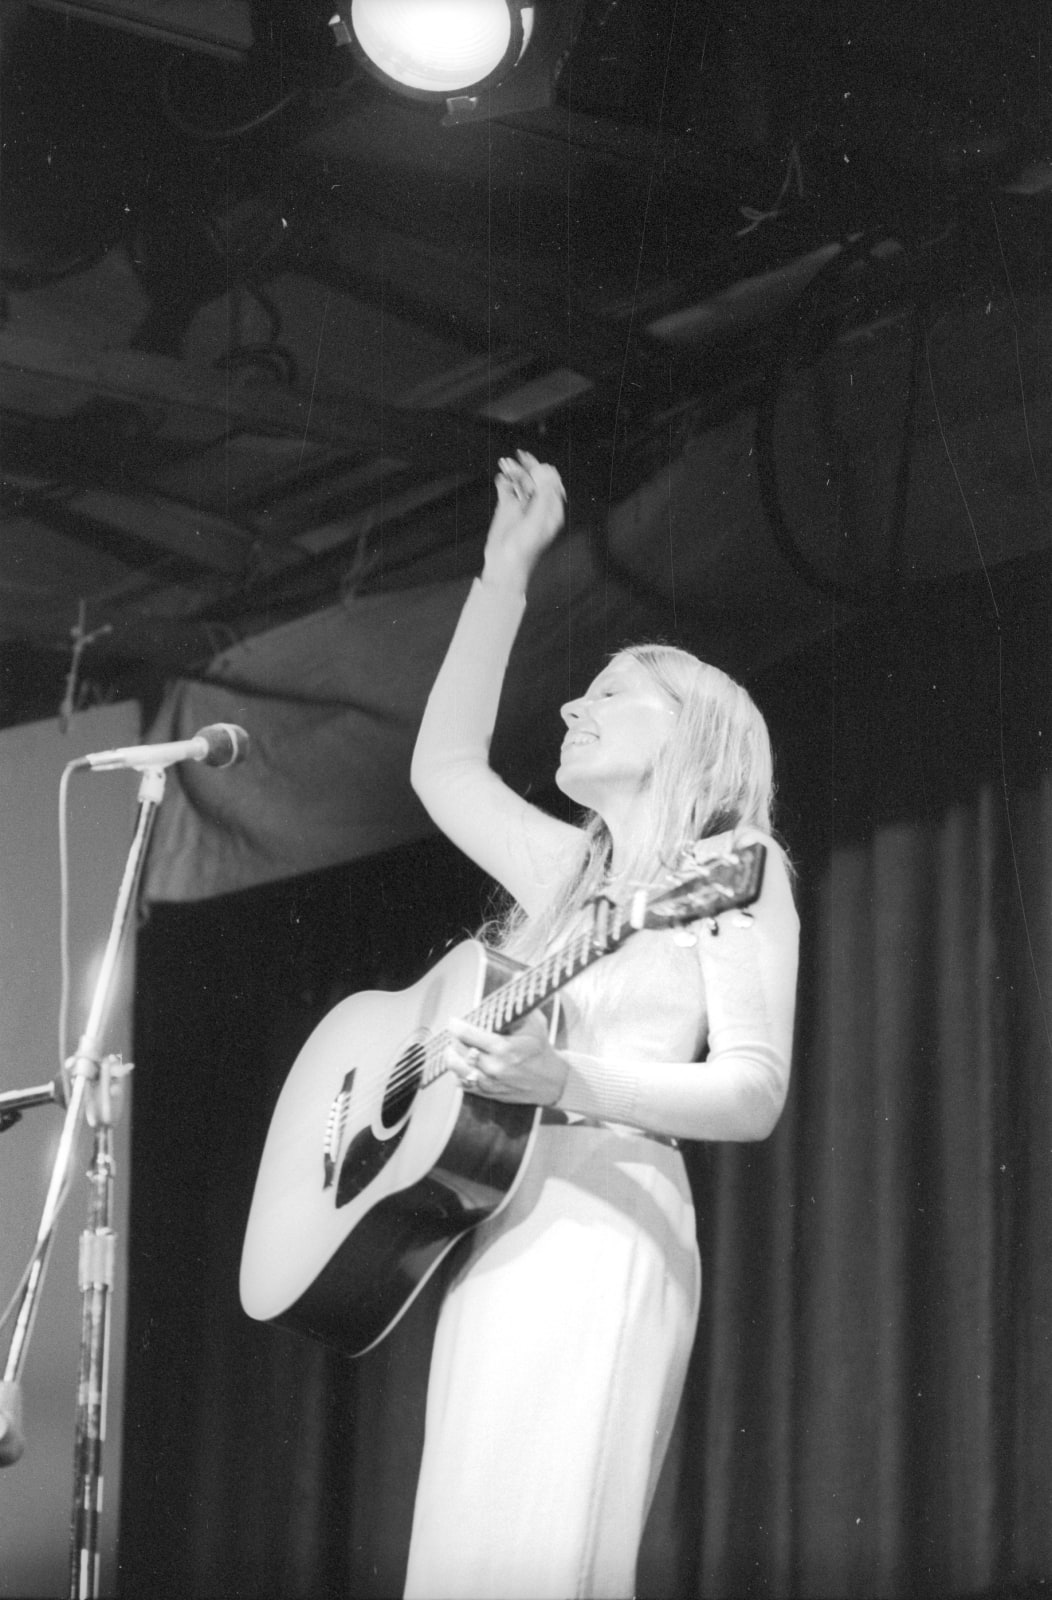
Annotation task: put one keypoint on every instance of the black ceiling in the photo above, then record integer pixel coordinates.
(268, 326)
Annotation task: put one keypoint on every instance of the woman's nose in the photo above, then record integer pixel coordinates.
(571, 711)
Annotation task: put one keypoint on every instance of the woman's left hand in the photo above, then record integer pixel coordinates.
(520, 1067)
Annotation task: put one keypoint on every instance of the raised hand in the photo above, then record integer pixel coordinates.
(531, 508)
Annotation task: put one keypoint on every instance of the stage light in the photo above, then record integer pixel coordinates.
(438, 49)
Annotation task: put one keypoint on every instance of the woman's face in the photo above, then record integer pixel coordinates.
(614, 734)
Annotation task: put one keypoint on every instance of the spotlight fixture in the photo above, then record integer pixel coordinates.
(436, 48)
(480, 58)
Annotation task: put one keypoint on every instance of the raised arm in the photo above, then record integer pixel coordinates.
(521, 846)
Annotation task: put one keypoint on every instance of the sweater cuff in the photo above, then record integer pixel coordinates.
(604, 1090)
(485, 591)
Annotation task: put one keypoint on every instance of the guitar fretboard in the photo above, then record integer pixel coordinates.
(503, 1007)
(523, 993)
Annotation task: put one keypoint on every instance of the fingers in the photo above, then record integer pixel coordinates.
(470, 1060)
(515, 480)
(517, 1067)
(471, 1074)
(527, 477)
(483, 1060)
(465, 1062)
(542, 472)
(468, 1034)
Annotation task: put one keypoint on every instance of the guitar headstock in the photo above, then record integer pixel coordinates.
(704, 888)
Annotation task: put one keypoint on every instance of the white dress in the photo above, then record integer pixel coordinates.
(563, 1341)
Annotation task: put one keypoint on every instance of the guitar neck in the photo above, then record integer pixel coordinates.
(503, 1007)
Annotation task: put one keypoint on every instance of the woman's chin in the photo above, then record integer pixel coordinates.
(574, 785)
(599, 791)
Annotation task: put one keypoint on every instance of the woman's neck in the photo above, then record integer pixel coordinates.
(634, 841)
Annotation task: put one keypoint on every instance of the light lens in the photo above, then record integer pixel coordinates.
(436, 46)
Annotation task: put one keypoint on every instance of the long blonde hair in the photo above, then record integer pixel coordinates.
(715, 773)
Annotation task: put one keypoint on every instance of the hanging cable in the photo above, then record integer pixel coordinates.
(900, 502)
(798, 328)
(238, 130)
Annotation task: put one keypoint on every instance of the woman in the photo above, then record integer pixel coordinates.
(563, 1341)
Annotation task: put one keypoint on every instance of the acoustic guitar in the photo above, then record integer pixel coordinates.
(377, 1161)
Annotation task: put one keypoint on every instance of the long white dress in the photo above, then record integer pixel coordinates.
(563, 1341)
(562, 1347)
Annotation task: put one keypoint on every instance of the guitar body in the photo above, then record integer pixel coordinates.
(370, 1173)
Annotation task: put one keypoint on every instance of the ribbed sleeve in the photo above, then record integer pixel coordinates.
(606, 1090)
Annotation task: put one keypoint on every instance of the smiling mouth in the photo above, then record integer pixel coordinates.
(576, 739)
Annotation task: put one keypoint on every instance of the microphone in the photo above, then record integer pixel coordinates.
(221, 744)
(12, 1439)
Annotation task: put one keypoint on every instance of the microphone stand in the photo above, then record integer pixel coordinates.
(93, 1094)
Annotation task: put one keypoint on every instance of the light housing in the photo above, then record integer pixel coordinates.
(439, 49)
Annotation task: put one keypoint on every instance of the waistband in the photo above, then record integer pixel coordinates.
(553, 1117)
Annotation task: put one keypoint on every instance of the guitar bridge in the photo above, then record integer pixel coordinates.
(335, 1125)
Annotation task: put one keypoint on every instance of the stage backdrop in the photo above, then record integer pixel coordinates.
(36, 1492)
(870, 1400)
(332, 702)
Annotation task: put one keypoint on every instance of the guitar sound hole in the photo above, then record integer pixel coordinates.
(402, 1085)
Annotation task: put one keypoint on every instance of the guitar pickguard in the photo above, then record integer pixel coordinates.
(366, 1156)
(367, 1152)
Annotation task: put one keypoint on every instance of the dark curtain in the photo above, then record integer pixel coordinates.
(871, 1395)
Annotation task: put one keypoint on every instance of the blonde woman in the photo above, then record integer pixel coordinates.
(563, 1340)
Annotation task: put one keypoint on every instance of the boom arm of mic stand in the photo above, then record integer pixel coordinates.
(14, 1101)
(84, 1066)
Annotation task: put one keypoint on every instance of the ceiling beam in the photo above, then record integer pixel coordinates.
(141, 378)
(198, 537)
